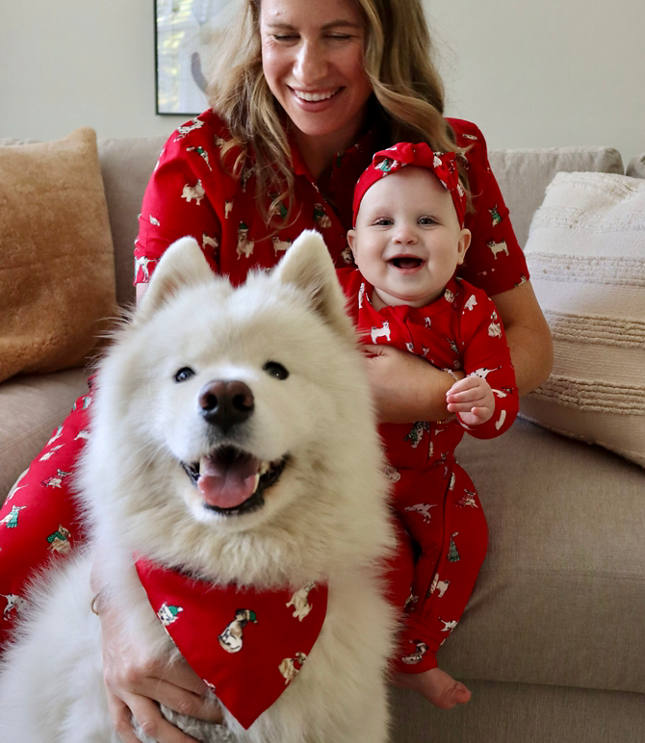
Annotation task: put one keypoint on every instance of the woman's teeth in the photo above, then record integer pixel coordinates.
(315, 97)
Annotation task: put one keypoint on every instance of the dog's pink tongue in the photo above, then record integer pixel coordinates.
(227, 482)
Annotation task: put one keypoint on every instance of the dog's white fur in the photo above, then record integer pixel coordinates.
(324, 520)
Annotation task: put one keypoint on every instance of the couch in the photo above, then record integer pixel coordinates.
(553, 642)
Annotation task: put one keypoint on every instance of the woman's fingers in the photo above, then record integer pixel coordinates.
(150, 720)
(180, 699)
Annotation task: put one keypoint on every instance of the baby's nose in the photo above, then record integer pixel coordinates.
(405, 234)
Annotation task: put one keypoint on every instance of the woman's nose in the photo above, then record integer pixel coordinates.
(311, 63)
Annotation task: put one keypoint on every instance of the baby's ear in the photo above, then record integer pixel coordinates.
(351, 241)
(463, 244)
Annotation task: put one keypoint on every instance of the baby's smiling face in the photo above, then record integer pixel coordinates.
(408, 241)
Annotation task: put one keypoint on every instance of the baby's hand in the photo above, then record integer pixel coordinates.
(472, 399)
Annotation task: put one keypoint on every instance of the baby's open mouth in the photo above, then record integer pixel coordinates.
(232, 481)
(406, 261)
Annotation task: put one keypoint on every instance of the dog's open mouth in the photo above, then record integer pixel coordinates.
(232, 481)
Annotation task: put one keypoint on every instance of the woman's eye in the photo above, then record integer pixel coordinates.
(285, 37)
(181, 375)
(275, 369)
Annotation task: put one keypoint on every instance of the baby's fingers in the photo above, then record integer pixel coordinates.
(471, 397)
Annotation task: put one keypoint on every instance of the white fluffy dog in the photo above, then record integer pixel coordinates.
(232, 442)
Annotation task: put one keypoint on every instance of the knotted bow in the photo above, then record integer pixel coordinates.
(385, 162)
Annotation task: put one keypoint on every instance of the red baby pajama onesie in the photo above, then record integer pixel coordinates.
(433, 497)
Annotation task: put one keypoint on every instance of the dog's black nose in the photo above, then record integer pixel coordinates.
(224, 403)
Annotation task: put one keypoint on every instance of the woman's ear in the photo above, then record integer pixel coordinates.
(463, 244)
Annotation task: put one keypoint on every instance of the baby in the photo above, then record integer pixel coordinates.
(408, 241)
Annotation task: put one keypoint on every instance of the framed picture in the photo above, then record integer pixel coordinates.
(184, 33)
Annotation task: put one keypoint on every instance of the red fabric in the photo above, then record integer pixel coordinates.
(246, 645)
(172, 206)
(391, 160)
(40, 520)
(434, 499)
(228, 224)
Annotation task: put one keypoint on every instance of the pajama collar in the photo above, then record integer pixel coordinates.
(246, 645)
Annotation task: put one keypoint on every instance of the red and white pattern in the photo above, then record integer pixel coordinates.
(433, 497)
(393, 159)
(246, 645)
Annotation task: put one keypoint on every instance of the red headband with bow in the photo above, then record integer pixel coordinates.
(385, 162)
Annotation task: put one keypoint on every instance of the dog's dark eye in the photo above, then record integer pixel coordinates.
(183, 374)
(276, 370)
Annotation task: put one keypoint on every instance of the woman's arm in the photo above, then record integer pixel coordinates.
(527, 334)
(136, 683)
(406, 388)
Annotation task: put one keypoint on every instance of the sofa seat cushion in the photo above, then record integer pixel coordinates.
(561, 596)
(31, 408)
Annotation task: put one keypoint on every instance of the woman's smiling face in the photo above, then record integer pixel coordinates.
(312, 57)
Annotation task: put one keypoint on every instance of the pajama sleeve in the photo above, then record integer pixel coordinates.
(494, 261)
(180, 200)
(486, 354)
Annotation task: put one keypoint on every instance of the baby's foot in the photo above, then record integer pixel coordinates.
(443, 691)
(436, 686)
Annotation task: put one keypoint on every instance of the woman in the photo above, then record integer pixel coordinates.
(318, 86)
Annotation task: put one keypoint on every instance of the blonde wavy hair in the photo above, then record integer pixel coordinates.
(398, 62)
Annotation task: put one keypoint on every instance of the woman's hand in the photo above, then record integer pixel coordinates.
(472, 399)
(405, 388)
(136, 684)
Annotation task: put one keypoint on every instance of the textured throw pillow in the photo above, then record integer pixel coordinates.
(586, 254)
(57, 267)
(636, 166)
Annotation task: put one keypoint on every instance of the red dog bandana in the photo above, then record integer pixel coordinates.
(384, 162)
(246, 645)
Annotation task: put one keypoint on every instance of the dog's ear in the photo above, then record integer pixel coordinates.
(308, 265)
(182, 264)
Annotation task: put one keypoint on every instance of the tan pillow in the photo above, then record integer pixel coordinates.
(586, 254)
(57, 265)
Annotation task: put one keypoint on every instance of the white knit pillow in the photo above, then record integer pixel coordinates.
(586, 255)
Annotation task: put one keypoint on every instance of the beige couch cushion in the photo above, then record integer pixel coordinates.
(586, 255)
(524, 174)
(559, 600)
(32, 406)
(137, 158)
(57, 268)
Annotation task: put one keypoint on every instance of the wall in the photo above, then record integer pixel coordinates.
(542, 74)
(546, 73)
